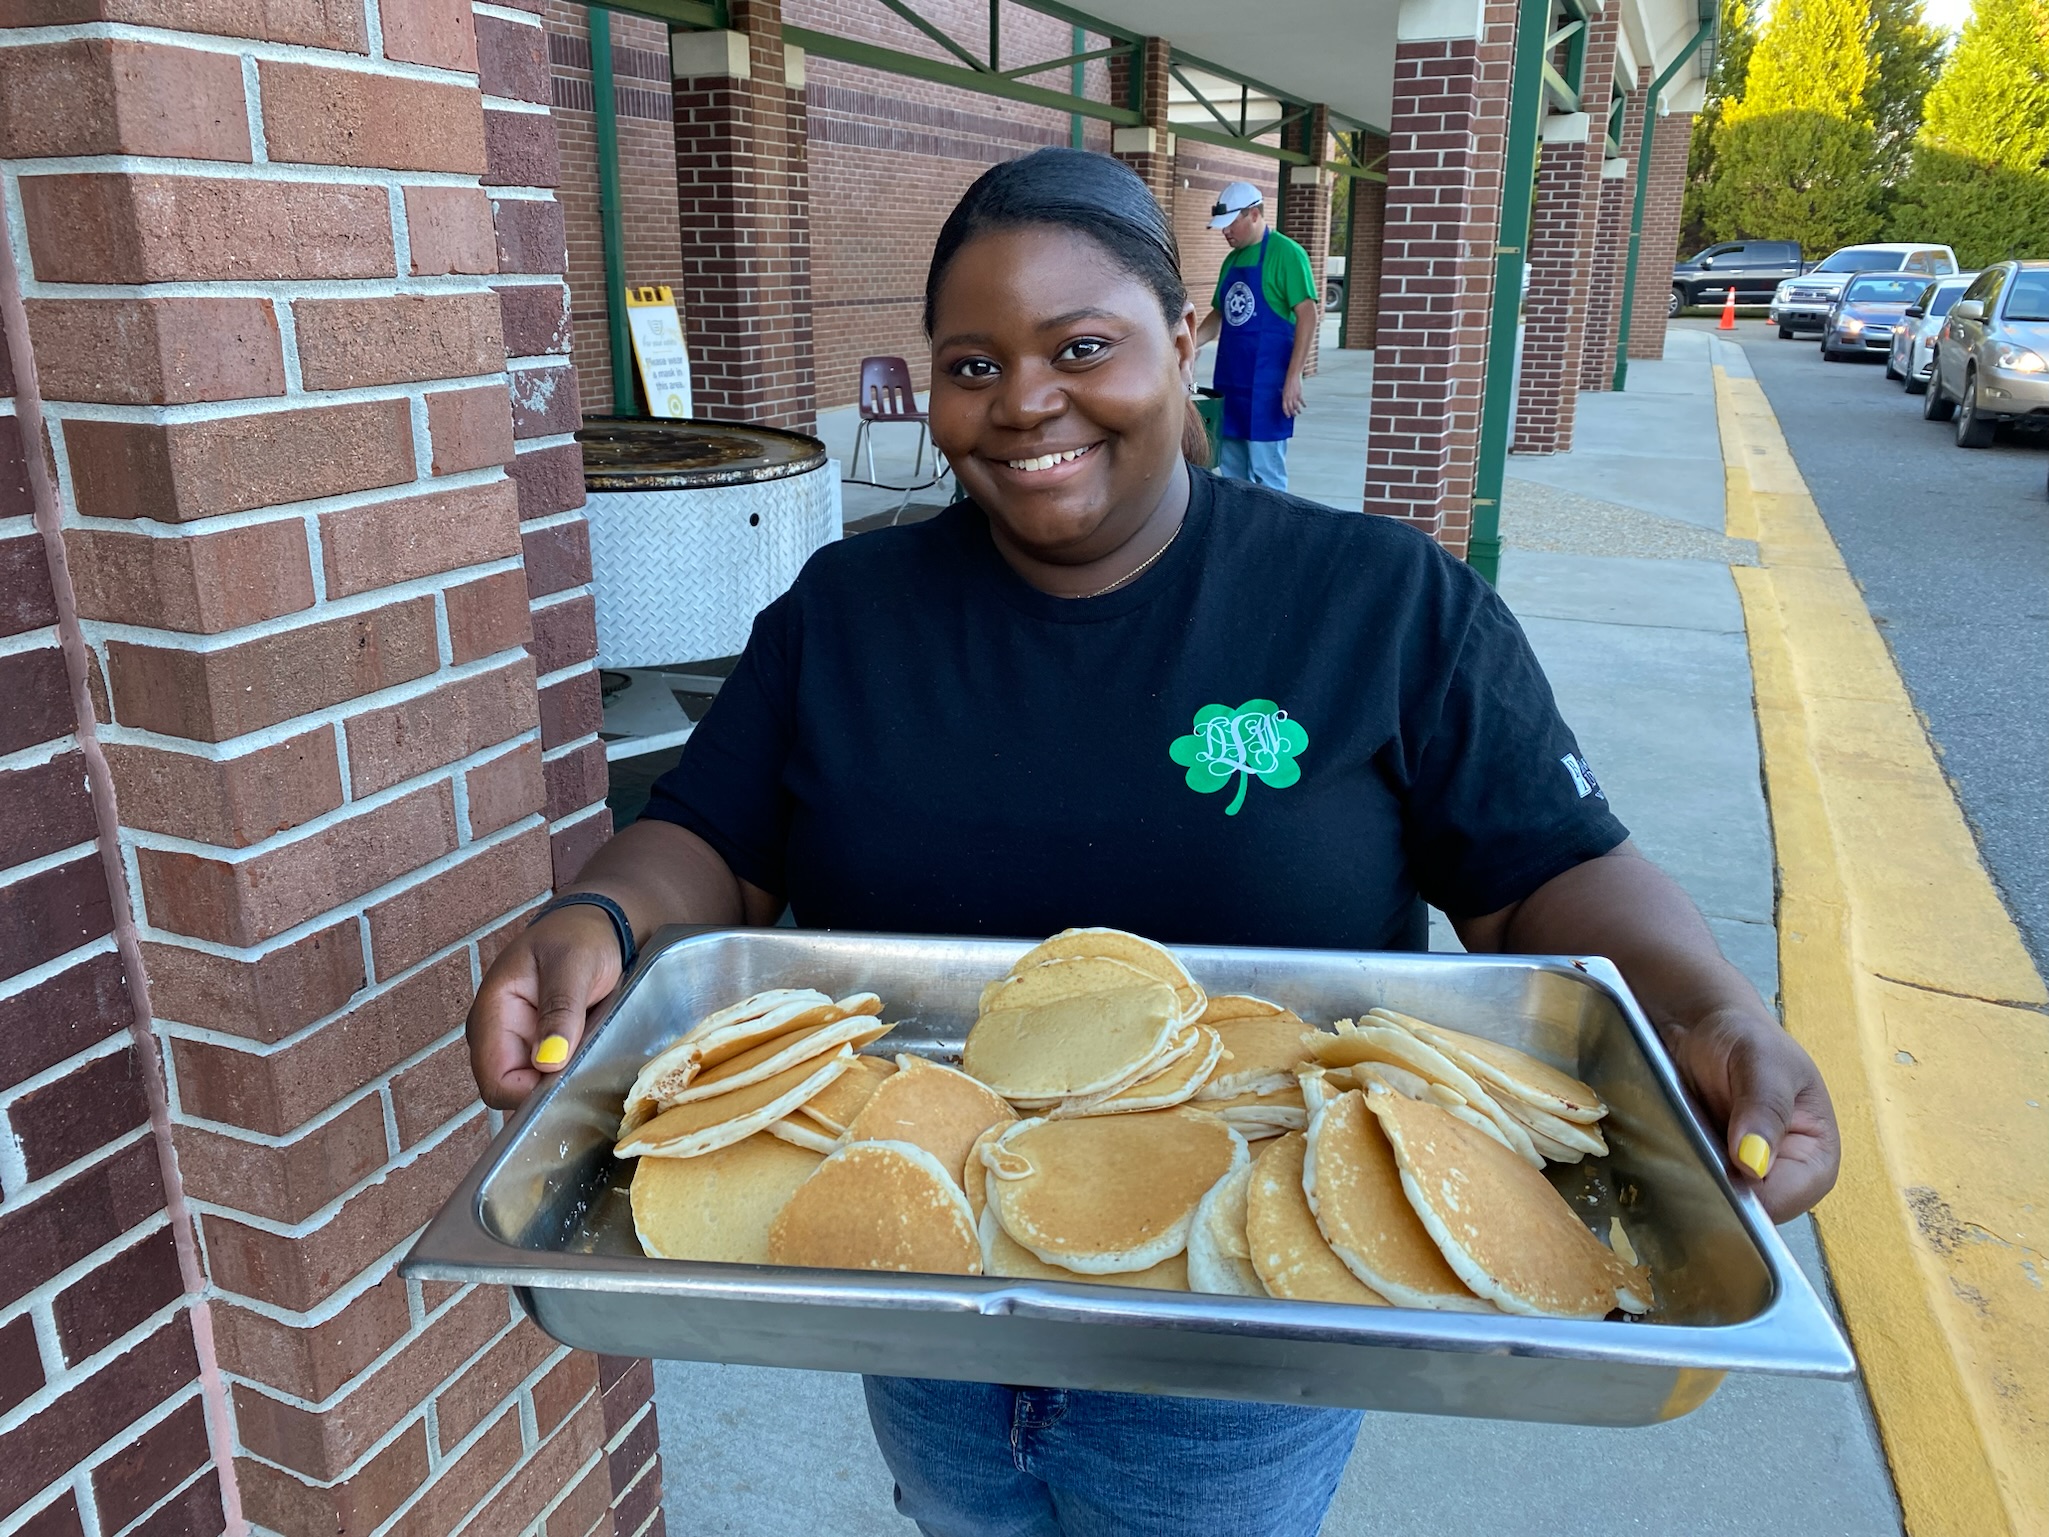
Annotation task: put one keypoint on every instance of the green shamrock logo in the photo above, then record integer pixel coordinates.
(1256, 739)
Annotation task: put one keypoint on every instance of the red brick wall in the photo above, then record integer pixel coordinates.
(102, 1415)
(317, 513)
(1305, 205)
(1442, 214)
(1562, 255)
(1659, 249)
(1362, 262)
(1611, 252)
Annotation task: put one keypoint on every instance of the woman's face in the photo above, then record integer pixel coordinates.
(1059, 391)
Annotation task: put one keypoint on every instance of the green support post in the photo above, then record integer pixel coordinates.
(625, 401)
(1643, 166)
(1078, 80)
(1518, 192)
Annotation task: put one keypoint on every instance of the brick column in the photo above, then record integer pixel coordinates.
(1446, 140)
(298, 357)
(1362, 259)
(1611, 248)
(1562, 255)
(744, 201)
(1305, 203)
(1148, 150)
(1659, 247)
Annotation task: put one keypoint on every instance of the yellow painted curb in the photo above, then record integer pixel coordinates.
(1902, 973)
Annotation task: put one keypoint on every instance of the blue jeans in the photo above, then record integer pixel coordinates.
(972, 1459)
(1264, 464)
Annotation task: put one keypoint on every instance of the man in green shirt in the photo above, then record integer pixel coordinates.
(1263, 320)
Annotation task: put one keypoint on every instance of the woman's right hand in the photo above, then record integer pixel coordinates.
(529, 1012)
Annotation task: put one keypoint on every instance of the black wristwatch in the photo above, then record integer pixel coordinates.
(621, 925)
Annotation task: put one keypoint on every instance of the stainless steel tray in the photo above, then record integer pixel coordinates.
(545, 1211)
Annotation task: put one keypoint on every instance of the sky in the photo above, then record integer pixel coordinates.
(1946, 13)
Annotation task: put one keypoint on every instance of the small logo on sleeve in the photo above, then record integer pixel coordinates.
(1582, 773)
(1257, 740)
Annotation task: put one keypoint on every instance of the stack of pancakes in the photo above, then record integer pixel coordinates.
(1112, 1123)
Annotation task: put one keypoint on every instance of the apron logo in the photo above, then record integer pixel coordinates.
(1256, 740)
(1238, 302)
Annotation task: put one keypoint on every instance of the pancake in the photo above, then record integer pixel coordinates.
(878, 1206)
(1003, 1255)
(1499, 1223)
(1375, 1040)
(1254, 1114)
(974, 1173)
(753, 1008)
(779, 1052)
(669, 1072)
(1510, 1070)
(937, 1108)
(1072, 1046)
(1155, 961)
(1355, 1193)
(719, 1206)
(1104, 1193)
(1577, 1137)
(1219, 1259)
(841, 1100)
(1225, 1007)
(704, 1124)
(1179, 1080)
(1287, 1249)
(1264, 1050)
(798, 1132)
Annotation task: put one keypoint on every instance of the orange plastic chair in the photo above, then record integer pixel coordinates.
(886, 397)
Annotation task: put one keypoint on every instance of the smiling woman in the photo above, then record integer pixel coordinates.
(1109, 687)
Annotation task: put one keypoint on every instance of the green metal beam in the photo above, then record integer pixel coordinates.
(1518, 186)
(1643, 165)
(1077, 58)
(931, 30)
(692, 15)
(606, 112)
(1555, 87)
(1570, 29)
(1207, 105)
(847, 50)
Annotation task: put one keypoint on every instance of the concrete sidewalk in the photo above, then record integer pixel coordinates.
(1619, 569)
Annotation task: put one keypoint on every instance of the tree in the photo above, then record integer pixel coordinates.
(1980, 171)
(1906, 55)
(1735, 38)
(1793, 152)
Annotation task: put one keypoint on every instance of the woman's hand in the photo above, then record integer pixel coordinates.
(1748, 1074)
(529, 1013)
(1778, 1125)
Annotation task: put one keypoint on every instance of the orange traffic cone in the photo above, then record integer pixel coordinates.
(1728, 309)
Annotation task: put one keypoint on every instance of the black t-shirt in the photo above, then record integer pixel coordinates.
(1293, 726)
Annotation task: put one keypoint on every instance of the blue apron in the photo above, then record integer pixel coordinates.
(1253, 352)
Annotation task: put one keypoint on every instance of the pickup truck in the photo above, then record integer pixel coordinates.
(1754, 268)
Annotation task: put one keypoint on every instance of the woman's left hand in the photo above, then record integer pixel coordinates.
(1755, 1079)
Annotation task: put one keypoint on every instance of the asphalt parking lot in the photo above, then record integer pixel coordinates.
(1951, 548)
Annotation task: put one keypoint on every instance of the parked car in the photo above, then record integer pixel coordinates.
(1992, 354)
(1862, 319)
(1913, 340)
(1334, 284)
(1803, 303)
(1754, 268)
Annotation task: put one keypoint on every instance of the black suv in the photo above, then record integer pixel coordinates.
(1754, 268)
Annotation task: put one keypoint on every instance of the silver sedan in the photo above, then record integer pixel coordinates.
(1913, 340)
(1992, 354)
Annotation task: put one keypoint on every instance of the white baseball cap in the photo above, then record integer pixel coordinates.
(1233, 201)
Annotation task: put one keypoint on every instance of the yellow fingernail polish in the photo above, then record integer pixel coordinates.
(1755, 1154)
(554, 1051)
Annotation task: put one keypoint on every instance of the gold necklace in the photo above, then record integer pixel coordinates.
(1139, 570)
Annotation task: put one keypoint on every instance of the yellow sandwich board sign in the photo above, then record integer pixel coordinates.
(658, 349)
